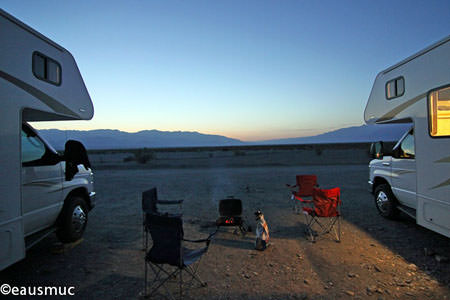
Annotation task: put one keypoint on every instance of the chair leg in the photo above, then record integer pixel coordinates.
(145, 279)
(195, 276)
(146, 240)
(292, 200)
(338, 232)
(309, 222)
(332, 226)
(329, 224)
(243, 230)
(161, 282)
(181, 284)
(143, 233)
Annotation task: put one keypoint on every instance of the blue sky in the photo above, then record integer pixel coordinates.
(251, 70)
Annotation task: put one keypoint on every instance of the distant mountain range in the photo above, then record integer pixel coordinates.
(116, 139)
(356, 134)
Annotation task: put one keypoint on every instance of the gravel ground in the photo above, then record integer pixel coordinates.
(377, 258)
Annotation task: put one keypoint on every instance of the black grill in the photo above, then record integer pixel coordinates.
(230, 214)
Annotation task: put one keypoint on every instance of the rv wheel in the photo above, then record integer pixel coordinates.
(73, 220)
(385, 201)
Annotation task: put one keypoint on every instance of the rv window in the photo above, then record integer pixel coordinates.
(395, 88)
(52, 71)
(46, 69)
(32, 148)
(39, 66)
(407, 146)
(400, 85)
(439, 112)
(390, 89)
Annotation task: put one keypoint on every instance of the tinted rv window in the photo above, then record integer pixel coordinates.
(46, 69)
(32, 148)
(400, 86)
(395, 88)
(439, 112)
(407, 146)
(53, 71)
(39, 66)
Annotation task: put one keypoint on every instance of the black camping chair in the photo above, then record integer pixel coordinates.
(168, 251)
(149, 206)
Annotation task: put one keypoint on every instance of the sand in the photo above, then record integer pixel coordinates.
(376, 259)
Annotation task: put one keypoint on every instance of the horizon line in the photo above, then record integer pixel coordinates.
(325, 130)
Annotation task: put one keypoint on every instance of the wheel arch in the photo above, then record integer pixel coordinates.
(80, 192)
(377, 181)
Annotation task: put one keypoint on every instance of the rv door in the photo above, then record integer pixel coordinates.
(41, 183)
(404, 171)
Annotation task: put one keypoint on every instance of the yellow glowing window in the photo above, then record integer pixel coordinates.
(439, 115)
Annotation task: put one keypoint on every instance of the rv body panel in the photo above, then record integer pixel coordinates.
(403, 172)
(433, 184)
(66, 100)
(421, 182)
(26, 97)
(404, 179)
(380, 169)
(41, 196)
(422, 72)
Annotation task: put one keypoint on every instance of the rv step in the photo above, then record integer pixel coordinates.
(33, 239)
(407, 210)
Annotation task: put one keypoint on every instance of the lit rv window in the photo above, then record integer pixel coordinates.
(439, 112)
(395, 88)
(46, 69)
(390, 89)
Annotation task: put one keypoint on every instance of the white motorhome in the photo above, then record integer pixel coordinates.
(40, 191)
(415, 178)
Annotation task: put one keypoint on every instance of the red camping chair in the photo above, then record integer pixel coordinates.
(324, 213)
(305, 184)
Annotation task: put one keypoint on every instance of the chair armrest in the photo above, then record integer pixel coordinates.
(303, 200)
(169, 202)
(151, 212)
(148, 211)
(207, 240)
(291, 186)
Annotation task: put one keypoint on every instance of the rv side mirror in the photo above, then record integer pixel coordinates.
(376, 150)
(75, 154)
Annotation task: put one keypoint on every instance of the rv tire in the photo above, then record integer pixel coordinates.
(385, 201)
(73, 220)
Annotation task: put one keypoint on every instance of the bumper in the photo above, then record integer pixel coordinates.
(92, 199)
(370, 187)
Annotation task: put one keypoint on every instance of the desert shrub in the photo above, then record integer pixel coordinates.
(318, 151)
(128, 159)
(143, 157)
(238, 153)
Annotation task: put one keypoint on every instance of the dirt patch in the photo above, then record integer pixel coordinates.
(377, 258)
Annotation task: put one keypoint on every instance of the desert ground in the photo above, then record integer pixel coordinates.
(376, 259)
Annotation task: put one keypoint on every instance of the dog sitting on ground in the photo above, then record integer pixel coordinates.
(262, 232)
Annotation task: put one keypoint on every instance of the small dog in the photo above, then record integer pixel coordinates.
(262, 232)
